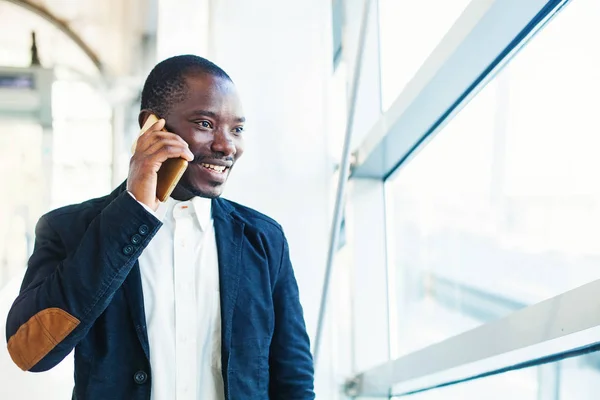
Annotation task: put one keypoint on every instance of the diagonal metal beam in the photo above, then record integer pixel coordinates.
(483, 39)
(63, 27)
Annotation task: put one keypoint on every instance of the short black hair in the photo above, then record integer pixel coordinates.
(165, 85)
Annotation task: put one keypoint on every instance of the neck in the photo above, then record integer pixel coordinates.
(182, 194)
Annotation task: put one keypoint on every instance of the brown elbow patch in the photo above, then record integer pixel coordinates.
(38, 336)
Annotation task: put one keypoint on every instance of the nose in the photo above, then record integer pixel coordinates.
(223, 144)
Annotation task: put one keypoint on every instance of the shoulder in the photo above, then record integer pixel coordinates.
(86, 210)
(254, 218)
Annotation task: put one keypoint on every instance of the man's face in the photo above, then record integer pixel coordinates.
(211, 120)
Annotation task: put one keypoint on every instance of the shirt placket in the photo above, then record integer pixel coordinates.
(185, 301)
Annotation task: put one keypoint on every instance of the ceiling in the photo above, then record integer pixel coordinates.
(117, 32)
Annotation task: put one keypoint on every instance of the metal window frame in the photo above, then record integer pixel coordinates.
(337, 22)
(536, 335)
(368, 9)
(457, 68)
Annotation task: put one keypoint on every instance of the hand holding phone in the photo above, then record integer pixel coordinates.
(158, 162)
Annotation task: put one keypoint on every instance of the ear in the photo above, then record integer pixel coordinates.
(143, 116)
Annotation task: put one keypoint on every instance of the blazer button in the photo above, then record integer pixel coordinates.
(127, 250)
(143, 230)
(140, 377)
(136, 239)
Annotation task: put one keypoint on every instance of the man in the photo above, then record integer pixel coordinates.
(194, 298)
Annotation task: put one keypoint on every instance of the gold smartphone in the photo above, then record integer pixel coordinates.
(170, 171)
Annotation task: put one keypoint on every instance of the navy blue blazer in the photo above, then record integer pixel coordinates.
(82, 290)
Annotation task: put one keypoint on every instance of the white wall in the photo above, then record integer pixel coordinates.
(182, 27)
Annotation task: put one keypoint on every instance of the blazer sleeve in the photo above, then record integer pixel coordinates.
(290, 359)
(65, 290)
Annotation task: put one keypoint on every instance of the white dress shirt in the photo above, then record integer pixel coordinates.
(180, 282)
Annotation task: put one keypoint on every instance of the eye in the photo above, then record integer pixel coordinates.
(205, 124)
(239, 129)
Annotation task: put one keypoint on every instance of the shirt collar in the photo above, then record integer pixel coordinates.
(202, 209)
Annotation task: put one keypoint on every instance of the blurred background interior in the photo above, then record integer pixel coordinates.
(434, 164)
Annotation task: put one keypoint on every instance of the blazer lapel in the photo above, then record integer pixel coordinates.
(135, 298)
(229, 235)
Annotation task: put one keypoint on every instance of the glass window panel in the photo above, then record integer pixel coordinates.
(77, 167)
(502, 208)
(82, 153)
(55, 48)
(409, 31)
(21, 193)
(520, 385)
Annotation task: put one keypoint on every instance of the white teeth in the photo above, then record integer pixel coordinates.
(218, 168)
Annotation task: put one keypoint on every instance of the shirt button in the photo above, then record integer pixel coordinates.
(143, 230)
(127, 250)
(140, 377)
(136, 239)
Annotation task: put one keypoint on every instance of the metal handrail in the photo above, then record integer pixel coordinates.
(455, 359)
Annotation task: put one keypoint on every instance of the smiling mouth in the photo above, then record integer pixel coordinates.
(216, 168)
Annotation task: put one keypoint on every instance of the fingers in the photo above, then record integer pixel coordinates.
(163, 149)
(150, 139)
(153, 147)
(153, 125)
